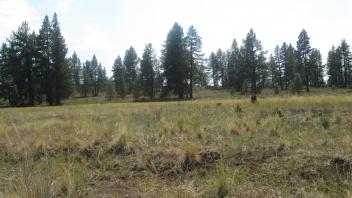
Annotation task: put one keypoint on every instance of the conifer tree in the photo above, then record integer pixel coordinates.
(289, 62)
(316, 68)
(195, 57)
(253, 58)
(62, 86)
(232, 65)
(175, 63)
(345, 62)
(303, 53)
(147, 71)
(44, 52)
(76, 71)
(118, 71)
(130, 63)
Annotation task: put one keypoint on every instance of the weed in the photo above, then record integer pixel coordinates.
(276, 111)
(325, 122)
(118, 143)
(238, 108)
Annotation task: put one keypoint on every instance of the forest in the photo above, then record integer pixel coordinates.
(35, 67)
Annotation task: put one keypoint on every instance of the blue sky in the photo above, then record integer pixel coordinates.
(108, 27)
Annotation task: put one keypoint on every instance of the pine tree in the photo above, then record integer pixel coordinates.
(253, 58)
(222, 63)
(94, 70)
(130, 62)
(87, 79)
(215, 69)
(102, 78)
(44, 50)
(289, 62)
(6, 80)
(279, 56)
(147, 71)
(346, 62)
(175, 63)
(331, 67)
(118, 71)
(194, 47)
(232, 65)
(274, 74)
(158, 81)
(76, 70)
(316, 68)
(61, 71)
(303, 52)
(22, 66)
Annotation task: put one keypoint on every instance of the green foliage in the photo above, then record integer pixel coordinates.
(197, 73)
(253, 59)
(316, 69)
(119, 78)
(110, 90)
(232, 78)
(238, 108)
(130, 62)
(147, 75)
(245, 87)
(277, 112)
(76, 69)
(174, 63)
(276, 91)
(325, 122)
(303, 52)
(217, 64)
(297, 84)
(339, 65)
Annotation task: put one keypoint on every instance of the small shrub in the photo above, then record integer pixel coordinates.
(277, 112)
(238, 108)
(254, 99)
(325, 122)
(276, 91)
(118, 143)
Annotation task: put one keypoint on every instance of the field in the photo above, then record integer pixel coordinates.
(216, 146)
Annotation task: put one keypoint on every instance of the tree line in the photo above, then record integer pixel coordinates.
(244, 68)
(34, 67)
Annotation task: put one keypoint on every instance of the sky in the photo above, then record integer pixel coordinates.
(107, 28)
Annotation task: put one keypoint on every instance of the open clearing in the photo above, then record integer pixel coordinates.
(294, 146)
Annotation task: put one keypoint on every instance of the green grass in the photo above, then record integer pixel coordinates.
(200, 148)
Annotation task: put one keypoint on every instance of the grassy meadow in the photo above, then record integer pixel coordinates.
(215, 146)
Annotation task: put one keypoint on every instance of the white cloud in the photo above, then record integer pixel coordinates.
(13, 13)
(108, 28)
(63, 5)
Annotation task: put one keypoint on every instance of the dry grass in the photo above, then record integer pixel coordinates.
(282, 146)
